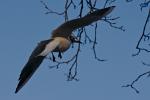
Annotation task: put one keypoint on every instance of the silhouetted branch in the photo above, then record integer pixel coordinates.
(74, 60)
(143, 36)
(94, 44)
(68, 3)
(146, 64)
(113, 24)
(70, 75)
(144, 4)
(49, 10)
(108, 2)
(91, 5)
(87, 37)
(129, 0)
(136, 80)
(81, 4)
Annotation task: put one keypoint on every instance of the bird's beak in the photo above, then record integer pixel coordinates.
(77, 41)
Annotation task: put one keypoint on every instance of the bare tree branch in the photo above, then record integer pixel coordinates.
(146, 64)
(49, 10)
(113, 24)
(94, 45)
(108, 2)
(68, 3)
(144, 4)
(136, 80)
(143, 36)
(91, 5)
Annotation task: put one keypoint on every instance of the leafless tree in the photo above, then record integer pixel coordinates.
(145, 36)
(82, 33)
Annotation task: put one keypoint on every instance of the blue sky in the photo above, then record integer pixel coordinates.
(23, 24)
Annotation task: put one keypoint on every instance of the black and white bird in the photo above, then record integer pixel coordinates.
(60, 41)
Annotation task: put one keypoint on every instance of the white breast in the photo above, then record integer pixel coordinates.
(64, 43)
(58, 44)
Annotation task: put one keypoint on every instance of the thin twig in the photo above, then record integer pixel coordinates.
(113, 24)
(136, 80)
(143, 36)
(94, 44)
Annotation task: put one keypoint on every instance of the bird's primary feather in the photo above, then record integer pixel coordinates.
(69, 26)
(32, 64)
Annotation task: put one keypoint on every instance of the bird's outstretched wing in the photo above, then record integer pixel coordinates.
(74, 24)
(32, 64)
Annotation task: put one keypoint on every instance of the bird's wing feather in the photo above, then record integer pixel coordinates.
(74, 24)
(40, 47)
(32, 64)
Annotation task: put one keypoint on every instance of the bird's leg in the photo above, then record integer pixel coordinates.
(53, 57)
(59, 54)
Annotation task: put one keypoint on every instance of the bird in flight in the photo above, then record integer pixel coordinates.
(60, 41)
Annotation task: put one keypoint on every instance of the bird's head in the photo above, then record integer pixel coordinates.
(74, 39)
